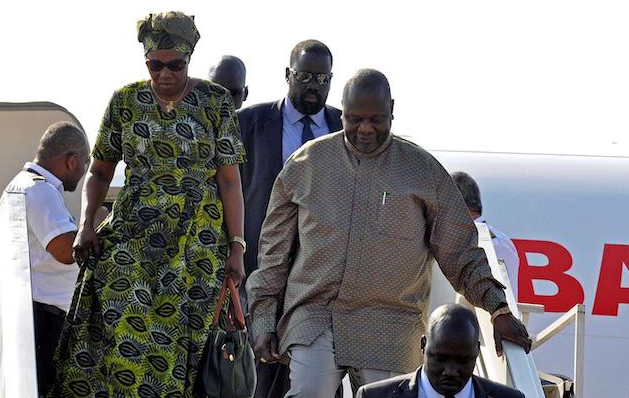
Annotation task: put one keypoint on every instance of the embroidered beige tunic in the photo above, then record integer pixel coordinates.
(345, 245)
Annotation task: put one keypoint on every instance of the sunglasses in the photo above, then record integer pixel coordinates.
(175, 65)
(305, 77)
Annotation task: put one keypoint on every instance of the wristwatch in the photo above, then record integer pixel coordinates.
(500, 311)
(240, 241)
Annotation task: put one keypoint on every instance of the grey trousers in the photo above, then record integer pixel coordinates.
(315, 374)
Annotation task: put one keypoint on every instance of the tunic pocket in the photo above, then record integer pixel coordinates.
(399, 216)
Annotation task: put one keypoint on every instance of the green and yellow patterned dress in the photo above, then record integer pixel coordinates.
(141, 312)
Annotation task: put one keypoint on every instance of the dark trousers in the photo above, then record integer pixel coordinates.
(48, 323)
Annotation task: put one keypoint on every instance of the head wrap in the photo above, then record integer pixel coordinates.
(168, 30)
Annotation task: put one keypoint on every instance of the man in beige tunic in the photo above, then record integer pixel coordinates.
(344, 248)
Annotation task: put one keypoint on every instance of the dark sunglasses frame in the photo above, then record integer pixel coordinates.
(320, 78)
(176, 65)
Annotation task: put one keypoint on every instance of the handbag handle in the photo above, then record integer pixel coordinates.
(228, 283)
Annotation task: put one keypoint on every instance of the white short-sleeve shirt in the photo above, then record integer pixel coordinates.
(47, 217)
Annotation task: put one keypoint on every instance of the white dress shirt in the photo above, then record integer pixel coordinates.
(47, 217)
(292, 127)
(505, 250)
(426, 390)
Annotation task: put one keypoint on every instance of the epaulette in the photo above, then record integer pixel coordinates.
(35, 175)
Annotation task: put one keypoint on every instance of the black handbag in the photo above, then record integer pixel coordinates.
(228, 367)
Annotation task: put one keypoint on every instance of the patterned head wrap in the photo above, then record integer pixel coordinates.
(168, 30)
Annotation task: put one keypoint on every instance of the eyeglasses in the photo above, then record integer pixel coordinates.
(305, 77)
(175, 65)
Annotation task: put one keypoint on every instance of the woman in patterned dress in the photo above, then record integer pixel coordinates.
(152, 270)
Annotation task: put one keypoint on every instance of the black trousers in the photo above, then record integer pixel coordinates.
(48, 323)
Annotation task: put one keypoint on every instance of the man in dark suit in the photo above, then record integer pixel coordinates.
(271, 132)
(450, 349)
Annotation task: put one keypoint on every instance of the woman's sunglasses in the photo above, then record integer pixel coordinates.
(175, 65)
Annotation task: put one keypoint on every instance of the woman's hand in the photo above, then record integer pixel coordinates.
(85, 241)
(235, 266)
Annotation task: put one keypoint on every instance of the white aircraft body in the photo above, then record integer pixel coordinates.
(568, 218)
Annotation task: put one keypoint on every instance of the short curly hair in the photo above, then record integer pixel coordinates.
(61, 138)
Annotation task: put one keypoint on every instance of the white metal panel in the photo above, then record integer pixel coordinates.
(18, 376)
(521, 370)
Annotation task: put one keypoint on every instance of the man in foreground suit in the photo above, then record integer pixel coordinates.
(271, 132)
(450, 348)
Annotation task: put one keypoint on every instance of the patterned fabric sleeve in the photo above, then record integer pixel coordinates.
(229, 147)
(454, 244)
(108, 144)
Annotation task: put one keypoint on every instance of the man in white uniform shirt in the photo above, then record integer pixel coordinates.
(450, 346)
(61, 160)
(504, 247)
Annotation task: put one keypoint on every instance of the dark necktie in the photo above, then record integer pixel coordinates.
(448, 396)
(306, 133)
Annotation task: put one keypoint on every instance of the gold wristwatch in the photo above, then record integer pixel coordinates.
(500, 311)
(240, 241)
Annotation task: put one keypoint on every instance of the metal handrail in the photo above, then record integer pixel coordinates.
(577, 315)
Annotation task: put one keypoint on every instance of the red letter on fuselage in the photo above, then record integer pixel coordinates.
(569, 292)
(609, 292)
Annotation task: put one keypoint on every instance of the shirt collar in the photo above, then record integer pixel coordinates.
(375, 153)
(294, 116)
(429, 391)
(50, 178)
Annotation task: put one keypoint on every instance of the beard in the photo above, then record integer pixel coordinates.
(306, 107)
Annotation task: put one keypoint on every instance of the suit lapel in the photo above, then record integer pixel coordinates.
(272, 136)
(480, 388)
(334, 123)
(408, 388)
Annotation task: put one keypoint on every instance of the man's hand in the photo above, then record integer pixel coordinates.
(265, 348)
(510, 328)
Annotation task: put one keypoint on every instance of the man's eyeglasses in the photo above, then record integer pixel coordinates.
(175, 65)
(305, 77)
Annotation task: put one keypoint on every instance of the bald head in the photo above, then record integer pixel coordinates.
(368, 81)
(451, 346)
(453, 317)
(367, 110)
(230, 72)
